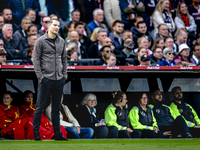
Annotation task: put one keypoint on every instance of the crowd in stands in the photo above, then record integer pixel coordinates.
(148, 117)
(166, 32)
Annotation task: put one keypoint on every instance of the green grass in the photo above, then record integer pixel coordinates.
(105, 144)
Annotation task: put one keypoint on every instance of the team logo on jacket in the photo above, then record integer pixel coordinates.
(158, 110)
(180, 110)
(142, 113)
(119, 114)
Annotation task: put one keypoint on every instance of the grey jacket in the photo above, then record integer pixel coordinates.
(49, 59)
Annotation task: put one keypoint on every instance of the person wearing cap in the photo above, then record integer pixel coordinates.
(196, 54)
(3, 55)
(145, 61)
(168, 59)
(183, 54)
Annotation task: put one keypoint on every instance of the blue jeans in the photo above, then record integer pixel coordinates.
(85, 133)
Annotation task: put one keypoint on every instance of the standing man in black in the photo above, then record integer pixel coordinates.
(50, 65)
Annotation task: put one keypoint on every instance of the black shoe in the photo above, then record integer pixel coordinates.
(188, 135)
(38, 139)
(60, 138)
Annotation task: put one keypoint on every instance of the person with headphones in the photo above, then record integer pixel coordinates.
(116, 116)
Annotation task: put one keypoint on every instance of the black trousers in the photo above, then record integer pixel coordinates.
(178, 126)
(100, 132)
(150, 134)
(114, 133)
(195, 132)
(46, 88)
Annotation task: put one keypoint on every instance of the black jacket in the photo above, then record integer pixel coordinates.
(162, 114)
(93, 51)
(85, 46)
(185, 111)
(145, 117)
(86, 119)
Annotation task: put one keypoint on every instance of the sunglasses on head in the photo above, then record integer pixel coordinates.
(102, 30)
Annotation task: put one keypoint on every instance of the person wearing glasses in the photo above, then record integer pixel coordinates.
(88, 116)
(104, 50)
(127, 52)
(44, 27)
(116, 116)
(196, 54)
(157, 55)
(142, 119)
(168, 59)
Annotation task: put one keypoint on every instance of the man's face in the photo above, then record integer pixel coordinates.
(54, 27)
(107, 41)
(2, 59)
(129, 44)
(32, 40)
(80, 29)
(32, 15)
(196, 51)
(178, 95)
(158, 53)
(127, 35)
(76, 16)
(1, 22)
(142, 28)
(158, 96)
(99, 17)
(118, 28)
(45, 22)
(169, 43)
(73, 36)
(101, 37)
(182, 38)
(8, 32)
(7, 15)
(106, 50)
(26, 24)
(163, 31)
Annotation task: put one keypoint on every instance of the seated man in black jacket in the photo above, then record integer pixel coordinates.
(167, 122)
(127, 52)
(104, 50)
(84, 40)
(12, 44)
(94, 50)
